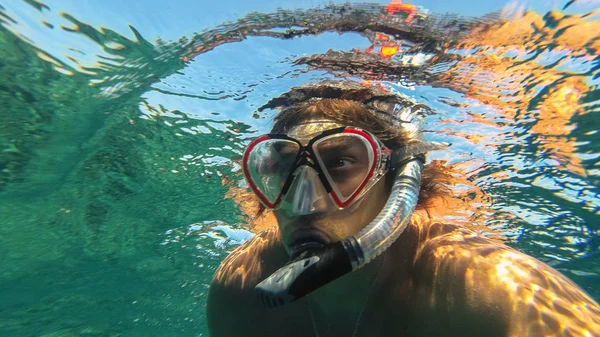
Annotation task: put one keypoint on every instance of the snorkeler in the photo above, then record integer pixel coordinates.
(354, 252)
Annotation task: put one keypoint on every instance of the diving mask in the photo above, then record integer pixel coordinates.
(330, 171)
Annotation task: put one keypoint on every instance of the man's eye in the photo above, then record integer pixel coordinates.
(340, 162)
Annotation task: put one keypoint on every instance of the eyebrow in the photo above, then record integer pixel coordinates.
(337, 143)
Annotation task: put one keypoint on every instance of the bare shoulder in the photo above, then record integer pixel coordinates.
(243, 267)
(232, 306)
(465, 271)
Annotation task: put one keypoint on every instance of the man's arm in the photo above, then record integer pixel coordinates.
(477, 275)
(232, 306)
(544, 302)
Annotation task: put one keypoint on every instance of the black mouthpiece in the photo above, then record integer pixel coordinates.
(304, 273)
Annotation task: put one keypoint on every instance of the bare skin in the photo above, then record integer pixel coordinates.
(435, 280)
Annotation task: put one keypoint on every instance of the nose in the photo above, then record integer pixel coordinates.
(306, 195)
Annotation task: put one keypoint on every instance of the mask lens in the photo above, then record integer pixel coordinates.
(346, 159)
(269, 164)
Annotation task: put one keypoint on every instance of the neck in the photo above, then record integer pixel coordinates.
(340, 305)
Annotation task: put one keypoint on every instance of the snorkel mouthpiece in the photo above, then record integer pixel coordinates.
(309, 270)
(312, 268)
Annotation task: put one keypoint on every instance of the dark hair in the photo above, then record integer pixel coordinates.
(350, 113)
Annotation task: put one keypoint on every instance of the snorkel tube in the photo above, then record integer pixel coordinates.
(315, 267)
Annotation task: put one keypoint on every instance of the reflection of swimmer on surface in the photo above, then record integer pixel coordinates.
(343, 171)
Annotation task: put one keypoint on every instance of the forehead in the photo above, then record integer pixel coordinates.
(311, 128)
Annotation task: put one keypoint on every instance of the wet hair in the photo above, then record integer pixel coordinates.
(347, 112)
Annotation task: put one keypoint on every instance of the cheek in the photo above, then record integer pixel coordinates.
(282, 223)
(351, 221)
(372, 204)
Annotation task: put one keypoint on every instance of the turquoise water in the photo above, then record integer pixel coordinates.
(116, 141)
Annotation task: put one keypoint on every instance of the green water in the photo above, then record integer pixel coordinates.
(85, 210)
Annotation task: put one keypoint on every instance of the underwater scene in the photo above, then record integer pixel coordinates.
(123, 124)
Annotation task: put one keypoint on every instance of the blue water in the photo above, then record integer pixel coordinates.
(120, 123)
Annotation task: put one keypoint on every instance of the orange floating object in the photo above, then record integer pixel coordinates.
(389, 49)
(397, 6)
(408, 8)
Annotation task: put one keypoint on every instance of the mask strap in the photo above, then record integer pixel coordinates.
(415, 150)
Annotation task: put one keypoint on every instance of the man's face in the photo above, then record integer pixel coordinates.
(327, 224)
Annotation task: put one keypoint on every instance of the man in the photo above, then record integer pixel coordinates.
(343, 170)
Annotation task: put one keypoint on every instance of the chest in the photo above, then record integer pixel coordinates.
(301, 321)
(379, 320)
